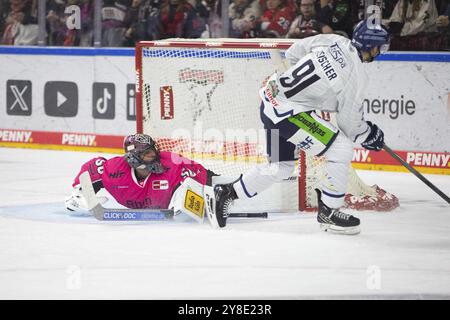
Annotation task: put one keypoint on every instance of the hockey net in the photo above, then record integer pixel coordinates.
(200, 99)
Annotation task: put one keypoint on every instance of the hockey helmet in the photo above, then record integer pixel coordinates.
(368, 35)
(136, 146)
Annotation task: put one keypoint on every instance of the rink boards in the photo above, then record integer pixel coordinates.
(54, 98)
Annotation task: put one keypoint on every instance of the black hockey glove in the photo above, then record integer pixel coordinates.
(375, 139)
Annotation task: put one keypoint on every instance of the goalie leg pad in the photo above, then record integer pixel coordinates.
(193, 199)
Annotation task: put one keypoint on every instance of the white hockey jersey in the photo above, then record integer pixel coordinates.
(326, 74)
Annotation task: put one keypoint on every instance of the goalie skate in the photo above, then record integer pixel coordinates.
(336, 221)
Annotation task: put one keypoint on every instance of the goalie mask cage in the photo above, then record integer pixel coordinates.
(199, 98)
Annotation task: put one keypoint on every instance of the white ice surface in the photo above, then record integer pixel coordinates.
(45, 254)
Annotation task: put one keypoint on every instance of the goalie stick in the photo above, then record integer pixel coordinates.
(416, 173)
(110, 214)
(263, 215)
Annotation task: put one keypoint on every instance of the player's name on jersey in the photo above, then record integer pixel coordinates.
(326, 65)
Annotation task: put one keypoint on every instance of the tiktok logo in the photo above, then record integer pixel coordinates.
(103, 100)
(102, 103)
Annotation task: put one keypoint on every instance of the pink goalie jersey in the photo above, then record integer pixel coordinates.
(155, 192)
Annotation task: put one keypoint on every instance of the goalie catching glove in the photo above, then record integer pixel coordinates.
(76, 203)
(375, 139)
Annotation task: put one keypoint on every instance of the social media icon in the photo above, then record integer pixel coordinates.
(61, 99)
(131, 102)
(103, 100)
(18, 97)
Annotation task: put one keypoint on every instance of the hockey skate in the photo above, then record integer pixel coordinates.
(225, 195)
(334, 220)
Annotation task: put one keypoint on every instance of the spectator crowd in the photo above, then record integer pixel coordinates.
(413, 24)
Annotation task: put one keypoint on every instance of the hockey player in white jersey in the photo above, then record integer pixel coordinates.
(327, 73)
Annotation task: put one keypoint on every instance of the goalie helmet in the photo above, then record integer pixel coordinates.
(367, 35)
(136, 147)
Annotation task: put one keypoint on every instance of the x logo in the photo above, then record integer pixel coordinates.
(18, 97)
